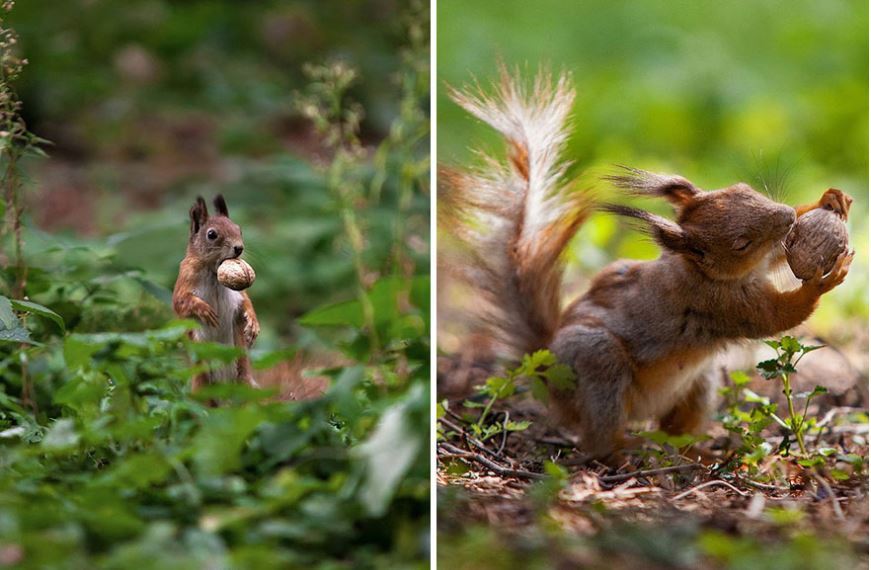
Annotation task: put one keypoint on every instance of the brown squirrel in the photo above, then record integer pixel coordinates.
(227, 316)
(640, 341)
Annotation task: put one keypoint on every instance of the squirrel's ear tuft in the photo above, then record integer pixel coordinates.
(199, 215)
(676, 189)
(221, 205)
(666, 233)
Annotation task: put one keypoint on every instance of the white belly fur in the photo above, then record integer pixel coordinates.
(226, 303)
(651, 403)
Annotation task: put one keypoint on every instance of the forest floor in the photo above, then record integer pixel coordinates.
(528, 498)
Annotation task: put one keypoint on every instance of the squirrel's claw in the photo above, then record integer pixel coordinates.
(208, 315)
(836, 276)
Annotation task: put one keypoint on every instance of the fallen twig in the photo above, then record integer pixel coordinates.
(839, 514)
(763, 486)
(504, 434)
(647, 472)
(709, 484)
(492, 466)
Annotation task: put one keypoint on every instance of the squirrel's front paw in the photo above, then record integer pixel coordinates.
(825, 283)
(207, 315)
(250, 330)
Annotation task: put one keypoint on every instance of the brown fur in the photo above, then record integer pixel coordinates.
(641, 338)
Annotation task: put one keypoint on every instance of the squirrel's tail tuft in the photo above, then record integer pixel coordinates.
(515, 217)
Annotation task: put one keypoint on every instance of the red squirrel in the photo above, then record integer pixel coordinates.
(641, 340)
(226, 316)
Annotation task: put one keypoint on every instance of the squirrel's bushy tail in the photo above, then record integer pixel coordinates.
(515, 217)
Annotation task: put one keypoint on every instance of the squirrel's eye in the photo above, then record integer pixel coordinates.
(212, 234)
(741, 244)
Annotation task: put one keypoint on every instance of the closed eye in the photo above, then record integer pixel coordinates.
(741, 245)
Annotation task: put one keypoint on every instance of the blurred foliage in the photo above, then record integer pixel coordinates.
(106, 460)
(773, 93)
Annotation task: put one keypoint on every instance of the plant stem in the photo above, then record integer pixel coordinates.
(794, 420)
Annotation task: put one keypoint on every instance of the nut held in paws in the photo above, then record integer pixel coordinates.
(235, 274)
(815, 241)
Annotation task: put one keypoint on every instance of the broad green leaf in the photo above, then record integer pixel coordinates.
(61, 435)
(560, 376)
(40, 310)
(217, 446)
(387, 455)
(8, 318)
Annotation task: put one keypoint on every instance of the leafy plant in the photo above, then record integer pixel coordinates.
(782, 368)
(539, 368)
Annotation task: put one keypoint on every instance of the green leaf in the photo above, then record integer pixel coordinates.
(812, 461)
(517, 426)
(37, 309)
(790, 344)
(769, 368)
(8, 318)
(818, 390)
(560, 376)
(739, 378)
(336, 314)
(77, 351)
(387, 455)
(217, 446)
(839, 474)
(207, 351)
(539, 390)
(61, 436)
(499, 387)
(136, 471)
(440, 410)
(539, 358)
(20, 335)
(265, 360)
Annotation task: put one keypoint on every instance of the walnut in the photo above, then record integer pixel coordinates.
(815, 241)
(235, 274)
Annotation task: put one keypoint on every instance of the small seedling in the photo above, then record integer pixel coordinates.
(540, 368)
(783, 367)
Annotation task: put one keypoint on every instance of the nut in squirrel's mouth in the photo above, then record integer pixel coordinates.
(223, 259)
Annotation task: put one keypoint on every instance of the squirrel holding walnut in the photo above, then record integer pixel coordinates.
(209, 288)
(641, 341)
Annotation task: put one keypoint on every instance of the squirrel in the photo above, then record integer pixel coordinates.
(641, 340)
(226, 316)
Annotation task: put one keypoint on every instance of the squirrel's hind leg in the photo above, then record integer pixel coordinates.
(596, 405)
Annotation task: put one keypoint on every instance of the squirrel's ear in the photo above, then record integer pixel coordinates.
(676, 189)
(199, 215)
(221, 205)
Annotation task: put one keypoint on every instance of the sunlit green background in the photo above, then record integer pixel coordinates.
(771, 93)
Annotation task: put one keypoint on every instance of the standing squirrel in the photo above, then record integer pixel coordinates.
(226, 316)
(641, 340)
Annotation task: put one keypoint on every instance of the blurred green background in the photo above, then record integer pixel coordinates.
(773, 93)
(150, 102)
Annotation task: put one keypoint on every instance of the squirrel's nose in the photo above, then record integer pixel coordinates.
(237, 249)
